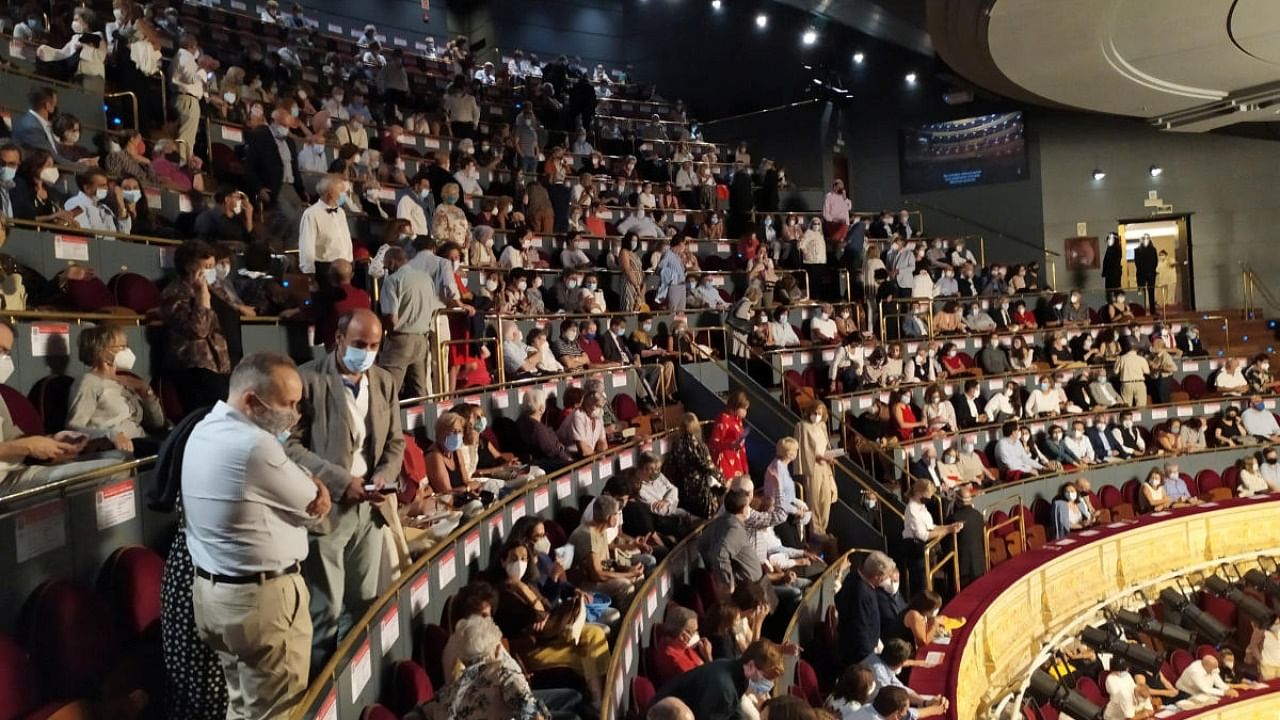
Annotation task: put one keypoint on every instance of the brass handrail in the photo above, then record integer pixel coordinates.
(328, 675)
(628, 622)
(79, 231)
(76, 481)
(951, 557)
(1018, 518)
(133, 97)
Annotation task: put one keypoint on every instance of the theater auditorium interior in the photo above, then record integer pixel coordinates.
(639, 360)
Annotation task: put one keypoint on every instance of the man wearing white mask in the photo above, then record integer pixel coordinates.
(16, 449)
(416, 204)
(323, 233)
(190, 68)
(10, 158)
(349, 439)
(95, 212)
(229, 220)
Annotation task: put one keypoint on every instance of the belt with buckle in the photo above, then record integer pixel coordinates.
(254, 579)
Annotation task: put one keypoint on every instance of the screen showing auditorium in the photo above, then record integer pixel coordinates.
(960, 153)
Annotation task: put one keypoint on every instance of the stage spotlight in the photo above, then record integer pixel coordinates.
(1167, 633)
(1205, 625)
(1098, 174)
(762, 21)
(911, 78)
(809, 37)
(716, 4)
(1139, 656)
(1257, 611)
(1047, 690)
(858, 58)
(1155, 171)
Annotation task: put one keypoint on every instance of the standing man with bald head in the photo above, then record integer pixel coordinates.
(273, 179)
(349, 437)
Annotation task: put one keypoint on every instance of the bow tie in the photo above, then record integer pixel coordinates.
(331, 210)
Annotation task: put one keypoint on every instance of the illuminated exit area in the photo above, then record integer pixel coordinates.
(1172, 237)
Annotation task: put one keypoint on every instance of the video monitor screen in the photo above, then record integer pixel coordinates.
(961, 153)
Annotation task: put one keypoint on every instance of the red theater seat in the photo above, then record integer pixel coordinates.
(131, 582)
(378, 712)
(642, 694)
(133, 291)
(410, 686)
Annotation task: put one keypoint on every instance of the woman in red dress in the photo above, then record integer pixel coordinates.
(727, 437)
(467, 367)
(904, 418)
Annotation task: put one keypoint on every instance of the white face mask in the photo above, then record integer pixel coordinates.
(693, 640)
(125, 359)
(6, 368)
(516, 569)
(237, 207)
(542, 545)
(611, 533)
(49, 175)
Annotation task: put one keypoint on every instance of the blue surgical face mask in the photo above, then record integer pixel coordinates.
(7, 174)
(452, 442)
(762, 686)
(342, 200)
(481, 424)
(358, 360)
(132, 196)
(282, 437)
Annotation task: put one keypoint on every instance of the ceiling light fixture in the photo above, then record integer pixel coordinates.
(911, 78)
(1155, 171)
(858, 57)
(809, 37)
(716, 4)
(1098, 174)
(762, 21)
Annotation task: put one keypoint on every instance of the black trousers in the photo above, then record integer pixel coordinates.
(198, 387)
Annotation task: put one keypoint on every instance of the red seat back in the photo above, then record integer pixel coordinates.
(1194, 386)
(625, 407)
(1208, 480)
(1231, 478)
(51, 396)
(1180, 659)
(1223, 610)
(1089, 689)
(378, 712)
(410, 687)
(19, 688)
(434, 638)
(1129, 491)
(806, 686)
(135, 292)
(69, 642)
(89, 294)
(1110, 497)
(642, 694)
(131, 582)
(21, 411)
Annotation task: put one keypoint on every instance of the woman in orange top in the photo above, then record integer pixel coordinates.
(904, 418)
(728, 435)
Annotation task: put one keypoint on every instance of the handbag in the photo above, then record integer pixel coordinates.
(565, 621)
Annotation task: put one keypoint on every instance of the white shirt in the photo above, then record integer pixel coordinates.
(918, 523)
(783, 334)
(358, 417)
(574, 258)
(1122, 704)
(187, 77)
(1043, 402)
(812, 247)
(511, 258)
(1259, 422)
(825, 327)
(408, 209)
(660, 489)
(1271, 646)
(245, 501)
(1226, 379)
(1195, 680)
(1013, 456)
(1079, 446)
(145, 56)
(96, 216)
(998, 403)
(1270, 473)
(323, 236)
(312, 159)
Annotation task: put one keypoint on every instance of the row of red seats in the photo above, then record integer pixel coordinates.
(84, 651)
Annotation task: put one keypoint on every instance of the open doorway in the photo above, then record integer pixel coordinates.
(1171, 235)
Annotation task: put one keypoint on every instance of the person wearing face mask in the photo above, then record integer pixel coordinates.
(1188, 342)
(1068, 514)
(583, 431)
(408, 301)
(416, 204)
(312, 157)
(919, 529)
(197, 357)
(816, 458)
(94, 208)
(1259, 377)
(272, 177)
(323, 233)
(34, 130)
(1125, 437)
(593, 554)
(721, 688)
(190, 69)
(247, 563)
(109, 401)
(1258, 421)
(1145, 265)
(348, 436)
(449, 223)
(10, 160)
(1131, 371)
(229, 220)
(680, 649)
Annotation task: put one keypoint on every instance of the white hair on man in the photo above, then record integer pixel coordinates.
(478, 639)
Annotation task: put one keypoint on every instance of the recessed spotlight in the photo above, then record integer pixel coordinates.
(911, 78)
(716, 4)
(1155, 171)
(809, 37)
(817, 81)
(1098, 174)
(762, 21)
(859, 57)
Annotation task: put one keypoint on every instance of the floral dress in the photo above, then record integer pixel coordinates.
(690, 468)
(726, 445)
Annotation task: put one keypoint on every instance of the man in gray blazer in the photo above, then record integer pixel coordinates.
(33, 129)
(349, 437)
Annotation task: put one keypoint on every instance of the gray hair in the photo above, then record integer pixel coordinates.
(677, 618)
(478, 637)
(534, 401)
(877, 563)
(482, 232)
(744, 483)
(256, 373)
(606, 506)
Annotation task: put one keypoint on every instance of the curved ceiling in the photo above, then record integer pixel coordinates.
(1183, 64)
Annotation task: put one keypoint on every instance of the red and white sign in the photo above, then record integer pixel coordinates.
(115, 504)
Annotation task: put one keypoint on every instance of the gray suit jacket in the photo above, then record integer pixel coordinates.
(321, 442)
(29, 133)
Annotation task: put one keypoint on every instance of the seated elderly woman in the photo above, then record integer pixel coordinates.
(544, 447)
(447, 471)
(110, 402)
(481, 458)
(492, 684)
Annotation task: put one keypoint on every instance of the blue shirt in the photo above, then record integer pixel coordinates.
(671, 269)
(1175, 488)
